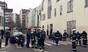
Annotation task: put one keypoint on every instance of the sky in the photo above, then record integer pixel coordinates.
(17, 5)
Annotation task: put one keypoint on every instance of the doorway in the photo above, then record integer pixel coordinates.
(70, 26)
(51, 29)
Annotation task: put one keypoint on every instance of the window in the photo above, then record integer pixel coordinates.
(55, 12)
(49, 9)
(43, 17)
(42, 5)
(61, 10)
(70, 6)
(57, 0)
(86, 3)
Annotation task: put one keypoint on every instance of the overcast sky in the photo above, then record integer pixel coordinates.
(17, 5)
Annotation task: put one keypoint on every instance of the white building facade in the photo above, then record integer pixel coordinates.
(64, 15)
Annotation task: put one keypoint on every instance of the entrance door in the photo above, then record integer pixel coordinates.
(51, 29)
(47, 30)
(71, 25)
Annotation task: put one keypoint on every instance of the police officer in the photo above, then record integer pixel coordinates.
(38, 38)
(43, 36)
(74, 40)
(65, 35)
(33, 41)
(7, 36)
(57, 37)
(28, 35)
(84, 36)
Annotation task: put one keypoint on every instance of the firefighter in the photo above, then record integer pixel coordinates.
(84, 36)
(58, 36)
(65, 35)
(74, 40)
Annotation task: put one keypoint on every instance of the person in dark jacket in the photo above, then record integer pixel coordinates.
(84, 36)
(33, 41)
(78, 38)
(2, 34)
(42, 37)
(38, 35)
(58, 36)
(7, 36)
(65, 35)
(28, 35)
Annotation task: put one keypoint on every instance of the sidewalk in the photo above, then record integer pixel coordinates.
(3, 47)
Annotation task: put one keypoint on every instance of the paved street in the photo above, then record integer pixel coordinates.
(50, 47)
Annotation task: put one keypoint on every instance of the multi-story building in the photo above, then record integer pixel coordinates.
(3, 4)
(18, 22)
(64, 15)
(30, 22)
(1, 18)
(24, 18)
(38, 16)
(8, 18)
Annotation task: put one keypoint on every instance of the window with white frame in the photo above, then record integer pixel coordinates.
(61, 10)
(49, 9)
(70, 6)
(42, 5)
(43, 16)
(55, 12)
(57, 0)
(86, 3)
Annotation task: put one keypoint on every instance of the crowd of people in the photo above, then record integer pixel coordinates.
(36, 38)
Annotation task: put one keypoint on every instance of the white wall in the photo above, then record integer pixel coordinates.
(80, 14)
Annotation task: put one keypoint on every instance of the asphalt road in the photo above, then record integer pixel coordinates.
(50, 47)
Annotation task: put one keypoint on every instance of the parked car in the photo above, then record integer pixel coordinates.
(17, 38)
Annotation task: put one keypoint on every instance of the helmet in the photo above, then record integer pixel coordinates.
(73, 29)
